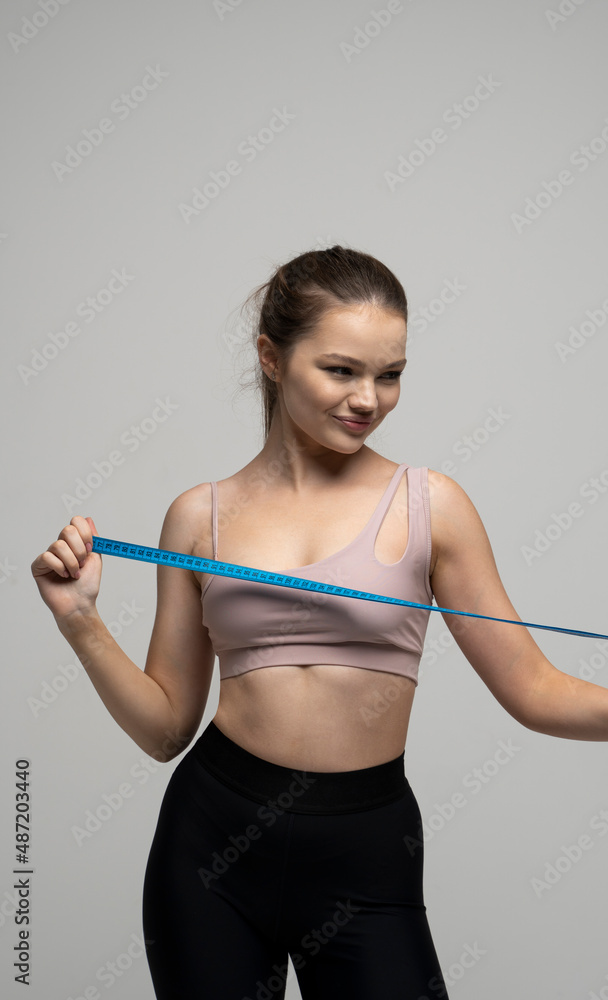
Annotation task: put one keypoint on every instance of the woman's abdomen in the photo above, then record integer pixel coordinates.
(317, 717)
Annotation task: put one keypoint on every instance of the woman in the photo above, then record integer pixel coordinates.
(289, 828)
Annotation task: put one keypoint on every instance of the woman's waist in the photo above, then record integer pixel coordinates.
(317, 717)
(296, 788)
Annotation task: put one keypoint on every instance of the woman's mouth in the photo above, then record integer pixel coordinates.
(354, 425)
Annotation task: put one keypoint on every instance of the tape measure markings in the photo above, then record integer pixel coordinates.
(144, 553)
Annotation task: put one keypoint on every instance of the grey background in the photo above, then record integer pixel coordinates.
(174, 332)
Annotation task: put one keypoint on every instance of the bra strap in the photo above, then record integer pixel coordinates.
(426, 501)
(214, 516)
(378, 516)
(418, 514)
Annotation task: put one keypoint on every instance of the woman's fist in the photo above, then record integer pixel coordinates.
(68, 573)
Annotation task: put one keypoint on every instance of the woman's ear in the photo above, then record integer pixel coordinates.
(266, 353)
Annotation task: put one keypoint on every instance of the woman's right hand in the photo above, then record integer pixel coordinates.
(68, 573)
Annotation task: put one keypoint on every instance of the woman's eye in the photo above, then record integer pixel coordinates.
(390, 376)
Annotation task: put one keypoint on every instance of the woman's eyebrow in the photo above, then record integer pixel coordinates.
(354, 361)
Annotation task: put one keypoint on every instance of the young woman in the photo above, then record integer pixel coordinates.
(289, 827)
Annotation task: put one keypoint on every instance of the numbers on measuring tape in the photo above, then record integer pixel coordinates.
(145, 553)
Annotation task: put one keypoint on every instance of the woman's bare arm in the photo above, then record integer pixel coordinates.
(160, 708)
(506, 657)
(180, 656)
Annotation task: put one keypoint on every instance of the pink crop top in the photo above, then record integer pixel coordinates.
(255, 624)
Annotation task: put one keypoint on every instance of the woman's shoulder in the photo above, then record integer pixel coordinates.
(193, 508)
(188, 517)
(441, 485)
(446, 495)
(454, 517)
(445, 489)
(192, 499)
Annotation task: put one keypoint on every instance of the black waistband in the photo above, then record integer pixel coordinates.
(294, 790)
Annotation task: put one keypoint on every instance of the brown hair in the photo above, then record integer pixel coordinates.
(293, 301)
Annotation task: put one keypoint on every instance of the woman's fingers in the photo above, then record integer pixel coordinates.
(49, 561)
(67, 555)
(68, 580)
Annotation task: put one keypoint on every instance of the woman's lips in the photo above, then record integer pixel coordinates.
(354, 425)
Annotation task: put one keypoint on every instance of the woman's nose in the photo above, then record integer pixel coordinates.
(364, 396)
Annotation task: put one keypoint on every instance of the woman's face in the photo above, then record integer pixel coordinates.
(348, 369)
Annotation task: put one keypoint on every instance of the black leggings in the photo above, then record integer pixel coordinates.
(252, 862)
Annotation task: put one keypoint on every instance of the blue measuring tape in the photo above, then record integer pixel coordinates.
(165, 557)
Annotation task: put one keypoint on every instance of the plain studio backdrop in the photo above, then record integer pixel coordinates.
(162, 159)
